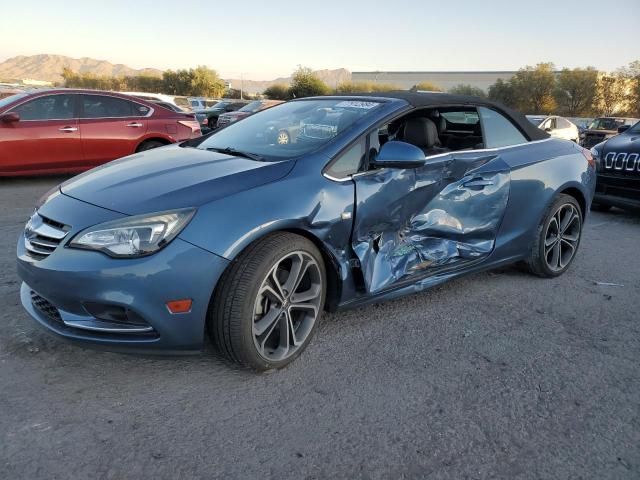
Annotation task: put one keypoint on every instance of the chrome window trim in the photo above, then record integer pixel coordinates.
(151, 109)
(495, 149)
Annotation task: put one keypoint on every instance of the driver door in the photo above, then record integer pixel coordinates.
(413, 223)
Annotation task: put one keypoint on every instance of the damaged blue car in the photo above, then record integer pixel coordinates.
(323, 203)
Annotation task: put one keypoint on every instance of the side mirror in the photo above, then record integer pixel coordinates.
(10, 117)
(548, 129)
(396, 154)
(623, 128)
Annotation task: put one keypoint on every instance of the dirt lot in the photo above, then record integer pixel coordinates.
(497, 375)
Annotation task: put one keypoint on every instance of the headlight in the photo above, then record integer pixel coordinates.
(135, 236)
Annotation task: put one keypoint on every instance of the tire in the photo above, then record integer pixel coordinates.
(249, 310)
(149, 144)
(557, 242)
(600, 207)
(283, 138)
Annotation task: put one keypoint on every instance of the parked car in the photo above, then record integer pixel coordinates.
(154, 97)
(558, 127)
(603, 128)
(68, 131)
(208, 118)
(253, 239)
(169, 106)
(191, 104)
(249, 109)
(618, 160)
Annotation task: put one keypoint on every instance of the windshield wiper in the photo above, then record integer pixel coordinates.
(237, 153)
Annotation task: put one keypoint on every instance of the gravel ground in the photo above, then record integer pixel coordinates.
(496, 375)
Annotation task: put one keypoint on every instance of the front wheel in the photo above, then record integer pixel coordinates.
(558, 238)
(268, 303)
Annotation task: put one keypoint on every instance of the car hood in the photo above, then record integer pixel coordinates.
(602, 132)
(623, 143)
(170, 177)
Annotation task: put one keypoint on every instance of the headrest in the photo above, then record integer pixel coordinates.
(421, 132)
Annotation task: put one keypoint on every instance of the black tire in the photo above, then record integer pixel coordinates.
(149, 144)
(232, 321)
(600, 207)
(541, 258)
(212, 122)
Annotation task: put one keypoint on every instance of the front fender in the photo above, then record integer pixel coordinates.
(301, 201)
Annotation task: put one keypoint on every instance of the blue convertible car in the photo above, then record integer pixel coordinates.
(250, 238)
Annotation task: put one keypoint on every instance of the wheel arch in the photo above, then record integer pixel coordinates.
(331, 263)
(578, 195)
(154, 138)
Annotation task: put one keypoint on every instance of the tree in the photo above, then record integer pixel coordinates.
(205, 82)
(464, 89)
(277, 91)
(612, 96)
(534, 88)
(503, 92)
(305, 83)
(576, 90)
(176, 82)
(426, 86)
(365, 87)
(632, 74)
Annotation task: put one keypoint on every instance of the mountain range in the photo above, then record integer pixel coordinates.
(49, 68)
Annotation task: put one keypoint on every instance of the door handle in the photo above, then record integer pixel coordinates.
(68, 129)
(134, 125)
(478, 183)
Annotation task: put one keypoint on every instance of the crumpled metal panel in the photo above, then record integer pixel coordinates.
(411, 222)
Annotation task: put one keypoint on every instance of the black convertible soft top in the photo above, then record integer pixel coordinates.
(436, 99)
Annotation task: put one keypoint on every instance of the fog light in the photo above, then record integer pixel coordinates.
(179, 306)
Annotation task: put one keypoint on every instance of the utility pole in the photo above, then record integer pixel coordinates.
(241, 84)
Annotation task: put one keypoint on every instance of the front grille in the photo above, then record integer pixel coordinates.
(43, 235)
(45, 307)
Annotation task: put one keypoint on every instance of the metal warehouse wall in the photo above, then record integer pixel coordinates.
(445, 80)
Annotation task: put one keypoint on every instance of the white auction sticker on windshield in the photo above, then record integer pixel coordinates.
(357, 104)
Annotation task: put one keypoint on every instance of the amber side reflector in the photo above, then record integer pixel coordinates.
(589, 156)
(180, 306)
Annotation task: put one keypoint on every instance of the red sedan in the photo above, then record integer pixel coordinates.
(69, 131)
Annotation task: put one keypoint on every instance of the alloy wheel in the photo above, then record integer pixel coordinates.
(283, 138)
(562, 237)
(287, 306)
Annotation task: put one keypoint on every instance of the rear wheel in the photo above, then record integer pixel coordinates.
(268, 304)
(558, 238)
(283, 137)
(149, 144)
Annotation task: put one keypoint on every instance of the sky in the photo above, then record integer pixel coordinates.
(262, 40)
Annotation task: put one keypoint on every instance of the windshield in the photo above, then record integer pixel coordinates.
(635, 128)
(7, 100)
(290, 129)
(220, 105)
(252, 107)
(606, 123)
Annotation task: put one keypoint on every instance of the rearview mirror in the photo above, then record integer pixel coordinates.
(623, 128)
(9, 117)
(396, 154)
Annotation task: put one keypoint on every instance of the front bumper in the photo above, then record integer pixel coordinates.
(58, 290)
(618, 191)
